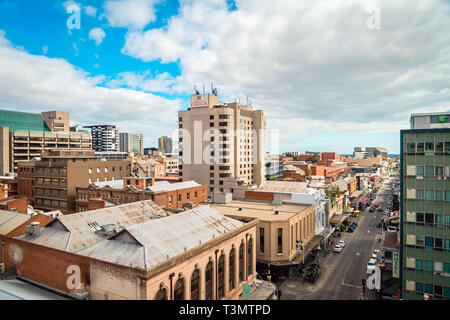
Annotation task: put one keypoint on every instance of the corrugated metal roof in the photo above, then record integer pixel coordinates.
(81, 226)
(163, 238)
(10, 220)
(116, 184)
(167, 186)
(284, 186)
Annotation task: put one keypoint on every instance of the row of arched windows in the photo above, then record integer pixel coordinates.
(180, 285)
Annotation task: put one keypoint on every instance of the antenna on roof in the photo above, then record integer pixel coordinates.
(203, 88)
(196, 91)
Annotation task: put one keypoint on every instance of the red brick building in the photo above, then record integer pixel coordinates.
(26, 180)
(131, 189)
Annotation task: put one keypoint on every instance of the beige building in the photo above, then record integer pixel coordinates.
(280, 228)
(24, 135)
(222, 144)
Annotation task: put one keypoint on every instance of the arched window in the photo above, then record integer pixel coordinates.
(178, 293)
(241, 262)
(231, 269)
(221, 277)
(209, 281)
(195, 285)
(250, 256)
(161, 294)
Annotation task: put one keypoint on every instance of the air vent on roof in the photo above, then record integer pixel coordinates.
(240, 209)
(276, 211)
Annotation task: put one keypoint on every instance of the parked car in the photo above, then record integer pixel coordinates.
(380, 209)
(353, 225)
(342, 243)
(371, 266)
(376, 251)
(376, 205)
(350, 229)
(372, 209)
(338, 248)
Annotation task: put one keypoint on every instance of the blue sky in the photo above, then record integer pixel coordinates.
(329, 77)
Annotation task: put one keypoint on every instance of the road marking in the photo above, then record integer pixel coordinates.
(350, 285)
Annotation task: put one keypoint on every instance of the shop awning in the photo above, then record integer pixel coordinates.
(338, 219)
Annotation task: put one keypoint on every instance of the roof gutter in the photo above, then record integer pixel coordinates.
(53, 290)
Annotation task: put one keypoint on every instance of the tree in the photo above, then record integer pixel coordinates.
(308, 174)
(313, 159)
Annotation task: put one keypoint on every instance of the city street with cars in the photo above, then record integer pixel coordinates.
(343, 269)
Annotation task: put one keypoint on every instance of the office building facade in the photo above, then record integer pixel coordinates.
(221, 144)
(24, 135)
(424, 268)
(104, 137)
(131, 142)
(165, 144)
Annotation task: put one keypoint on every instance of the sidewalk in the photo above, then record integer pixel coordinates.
(292, 288)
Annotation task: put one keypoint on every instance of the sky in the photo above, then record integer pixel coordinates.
(329, 75)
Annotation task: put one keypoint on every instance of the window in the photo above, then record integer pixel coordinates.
(429, 171)
(411, 148)
(429, 243)
(98, 170)
(438, 267)
(221, 277)
(280, 240)
(419, 194)
(179, 198)
(178, 292)
(231, 270)
(429, 219)
(90, 170)
(419, 265)
(420, 150)
(420, 218)
(419, 287)
(429, 148)
(419, 170)
(170, 200)
(261, 240)
(428, 266)
(241, 262)
(250, 257)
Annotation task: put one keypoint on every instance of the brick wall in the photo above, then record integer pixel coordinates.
(254, 195)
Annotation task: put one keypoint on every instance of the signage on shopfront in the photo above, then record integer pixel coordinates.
(395, 264)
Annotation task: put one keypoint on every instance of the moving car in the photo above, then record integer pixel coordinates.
(353, 225)
(371, 266)
(338, 248)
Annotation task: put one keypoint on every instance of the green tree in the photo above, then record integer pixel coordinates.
(308, 174)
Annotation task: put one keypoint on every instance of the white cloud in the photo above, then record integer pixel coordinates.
(132, 14)
(90, 11)
(97, 34)
(311, 65)
(55, 84)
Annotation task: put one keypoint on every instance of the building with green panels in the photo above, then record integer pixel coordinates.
(23, 121)
(425, 208)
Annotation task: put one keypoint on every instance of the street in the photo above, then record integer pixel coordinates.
(342, 272)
